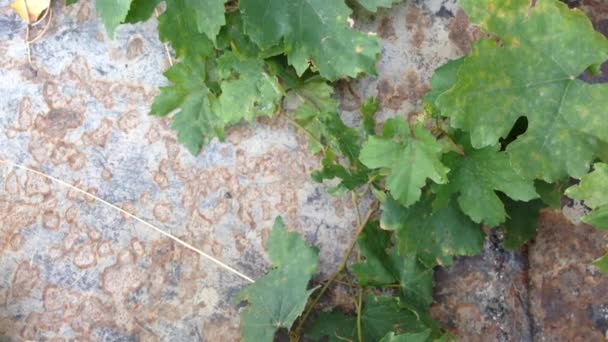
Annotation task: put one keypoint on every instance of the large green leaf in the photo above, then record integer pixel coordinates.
(477, 175)
(434, 236)
(209, 16)
(383, 266)
(141, 10)
(380, 315)
(178, 26)
(593, 190)
(113, 12)
(531, 71)
(372, 5)
(278, 298)
(410, 154)
(312, 31)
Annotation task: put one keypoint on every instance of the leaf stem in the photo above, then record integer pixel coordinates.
(360, 301)
(295, 336)
(303, 129)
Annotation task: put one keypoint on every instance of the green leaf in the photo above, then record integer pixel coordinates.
(383, 266)
(232, 36)
(278, 298)
(435, 236)
(380, 315)
(248, 91)
(522, 221)
(178, 26)
(602, 264)
(195, 122)
(113, 12)
(532, 70)
(477, 175)
(593, 190)
(410, 156)
(317, 103)
(141, 10)
(443, 79)
(417, 337)
(372, 5)
(368, 110)
(70, 2)
(551, 193)
(314, 31)
(209, 16)
(335, 325)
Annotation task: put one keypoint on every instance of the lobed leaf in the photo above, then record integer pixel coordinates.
(411, 156)
(278, 298)
(593, 190)
(312, 31)
(532, 70)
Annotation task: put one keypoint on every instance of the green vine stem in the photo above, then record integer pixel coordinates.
(295, 335)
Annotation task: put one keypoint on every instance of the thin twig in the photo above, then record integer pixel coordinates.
(126, 213)
(341, 267)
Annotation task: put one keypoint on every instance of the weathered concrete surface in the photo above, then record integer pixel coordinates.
(74, 269)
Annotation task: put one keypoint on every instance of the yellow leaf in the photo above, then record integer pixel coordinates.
(30, 10)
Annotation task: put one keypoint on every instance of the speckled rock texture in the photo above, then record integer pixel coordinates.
(73, 269)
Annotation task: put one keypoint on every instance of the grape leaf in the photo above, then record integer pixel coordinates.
(382, 268)
(278, 298)
(443, 79)
(380, 315)
(532, 71)
(410, 156)
(372, 5)
(593, 190)
(335, 325)
(416, 337)
(368, 111)
(522, 221)
(317, 102)
(476, 176)
(312, 31)
(435, 236)
(195, 122)
(178, 26)
(209, 16)
(113, 13)
(602, 264)
(141, 10)
(248, 90)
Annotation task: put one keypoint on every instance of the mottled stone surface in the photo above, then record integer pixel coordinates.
(74, 269)
(485, 298)
(569, 297)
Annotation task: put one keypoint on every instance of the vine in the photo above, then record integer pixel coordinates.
(435, 179)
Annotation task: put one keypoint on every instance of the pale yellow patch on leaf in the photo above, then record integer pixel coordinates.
(30, 10)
